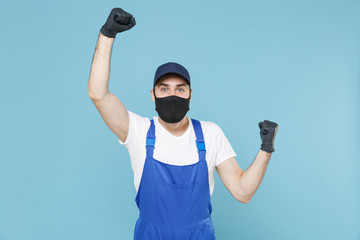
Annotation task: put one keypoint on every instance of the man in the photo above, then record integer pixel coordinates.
(173, 157)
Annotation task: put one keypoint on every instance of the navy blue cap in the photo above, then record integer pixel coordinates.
(171, 67)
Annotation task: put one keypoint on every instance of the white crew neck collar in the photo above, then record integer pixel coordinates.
(157, 124)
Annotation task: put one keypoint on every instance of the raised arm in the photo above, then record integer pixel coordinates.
(243, 184)
(109, 106)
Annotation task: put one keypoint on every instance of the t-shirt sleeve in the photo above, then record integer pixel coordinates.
(137, 128)
(224, 149)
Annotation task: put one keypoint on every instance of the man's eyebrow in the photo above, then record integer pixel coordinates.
(163, 84)
(166, 85)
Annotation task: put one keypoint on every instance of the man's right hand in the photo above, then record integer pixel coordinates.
(118, 21)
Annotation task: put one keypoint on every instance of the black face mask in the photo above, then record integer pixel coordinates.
(172, 109)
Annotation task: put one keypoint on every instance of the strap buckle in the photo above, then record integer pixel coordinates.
(200, 146)
(150, 142)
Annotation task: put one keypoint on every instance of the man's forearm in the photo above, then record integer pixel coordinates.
(100, 67)
(251, 178)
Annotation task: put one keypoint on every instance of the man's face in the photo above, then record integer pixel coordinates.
(171, 84)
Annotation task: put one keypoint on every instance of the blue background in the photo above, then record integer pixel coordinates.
(63, 173)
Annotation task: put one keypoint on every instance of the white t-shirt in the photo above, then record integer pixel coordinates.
(175, 150)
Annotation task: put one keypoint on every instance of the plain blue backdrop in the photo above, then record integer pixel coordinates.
(63, 173)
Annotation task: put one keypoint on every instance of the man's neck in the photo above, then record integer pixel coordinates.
(176, 129)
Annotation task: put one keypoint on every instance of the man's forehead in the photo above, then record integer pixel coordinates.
(171, 79)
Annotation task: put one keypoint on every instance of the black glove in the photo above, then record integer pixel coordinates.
(267, 133)
(118, 21)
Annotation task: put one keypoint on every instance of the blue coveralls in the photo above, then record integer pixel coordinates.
(174, 201)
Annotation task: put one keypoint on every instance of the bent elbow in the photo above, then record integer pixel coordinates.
(243, 199)
(246, 201)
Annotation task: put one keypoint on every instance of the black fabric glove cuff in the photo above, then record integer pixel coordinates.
(267, 148)
(107, 33)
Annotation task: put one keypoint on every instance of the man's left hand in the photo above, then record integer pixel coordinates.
(268, 131)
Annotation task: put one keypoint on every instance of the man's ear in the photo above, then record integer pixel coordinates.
(190, 94)
(152, 95)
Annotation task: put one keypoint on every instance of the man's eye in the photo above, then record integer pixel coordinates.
(181, 90)
(163, 89)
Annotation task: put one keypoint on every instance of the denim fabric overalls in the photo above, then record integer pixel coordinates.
(174, 201)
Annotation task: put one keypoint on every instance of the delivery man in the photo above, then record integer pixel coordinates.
(173, 156)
